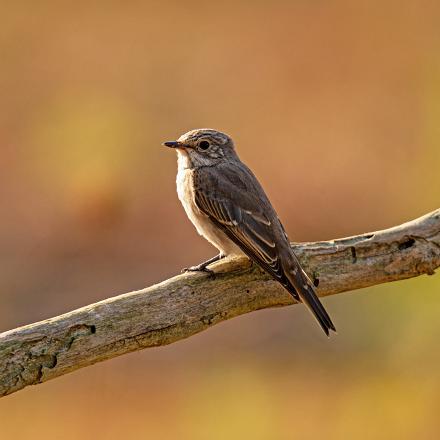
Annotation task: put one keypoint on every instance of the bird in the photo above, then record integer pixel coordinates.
(229, 208)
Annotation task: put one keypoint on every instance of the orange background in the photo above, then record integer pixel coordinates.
(334, 105)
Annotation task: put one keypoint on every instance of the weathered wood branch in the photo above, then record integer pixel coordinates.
(189, 303)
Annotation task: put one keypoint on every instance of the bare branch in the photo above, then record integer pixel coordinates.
(187, 304)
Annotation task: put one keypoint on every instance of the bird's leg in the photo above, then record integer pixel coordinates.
(202, 267)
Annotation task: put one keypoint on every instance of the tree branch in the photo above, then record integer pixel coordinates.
(187, 304)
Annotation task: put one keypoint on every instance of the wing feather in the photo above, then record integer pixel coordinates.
(242, 220)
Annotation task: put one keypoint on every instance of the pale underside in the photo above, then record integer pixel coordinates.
(204, 226)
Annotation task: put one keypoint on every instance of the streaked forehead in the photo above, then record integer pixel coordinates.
(194, 135)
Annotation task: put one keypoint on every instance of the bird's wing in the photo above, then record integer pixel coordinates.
(229, 199)
(235, 202)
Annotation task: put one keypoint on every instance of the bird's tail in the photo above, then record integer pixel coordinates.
(302, 287)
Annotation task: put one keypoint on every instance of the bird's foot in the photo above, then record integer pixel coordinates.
(199, 268)
(202, 267)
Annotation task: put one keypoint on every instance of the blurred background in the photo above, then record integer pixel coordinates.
(335, 105)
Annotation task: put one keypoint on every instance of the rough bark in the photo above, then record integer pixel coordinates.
(187, 304)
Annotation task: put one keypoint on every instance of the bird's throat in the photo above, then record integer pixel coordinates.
(183, 159)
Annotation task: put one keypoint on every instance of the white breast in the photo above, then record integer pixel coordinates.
(204, 226)
(186, 195)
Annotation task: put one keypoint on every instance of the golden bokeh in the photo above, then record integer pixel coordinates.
(334, 105)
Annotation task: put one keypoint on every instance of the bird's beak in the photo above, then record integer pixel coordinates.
(172, 144)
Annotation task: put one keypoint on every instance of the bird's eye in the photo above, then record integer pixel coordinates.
(204, 145)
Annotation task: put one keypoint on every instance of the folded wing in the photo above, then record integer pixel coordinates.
(238, 205)
(234, 208)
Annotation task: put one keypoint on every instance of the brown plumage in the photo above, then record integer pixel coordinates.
(228, 206)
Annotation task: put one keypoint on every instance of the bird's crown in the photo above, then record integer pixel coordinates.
(208, 134)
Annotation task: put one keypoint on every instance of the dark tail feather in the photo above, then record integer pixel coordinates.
(309, 298)
(302, 286)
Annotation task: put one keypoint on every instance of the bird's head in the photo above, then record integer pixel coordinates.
(203, 147)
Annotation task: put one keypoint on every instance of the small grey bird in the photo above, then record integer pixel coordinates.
(228, 207)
